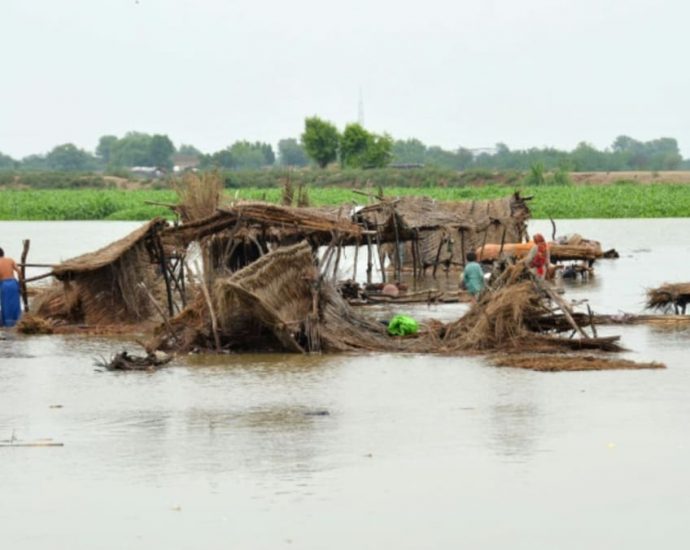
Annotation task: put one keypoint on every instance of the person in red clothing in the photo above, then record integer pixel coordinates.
(538, 258)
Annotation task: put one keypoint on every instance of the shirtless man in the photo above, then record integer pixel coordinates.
(10, 309)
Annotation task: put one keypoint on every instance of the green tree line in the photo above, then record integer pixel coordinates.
(321, 144)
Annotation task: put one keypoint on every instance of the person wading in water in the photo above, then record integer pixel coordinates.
(10, 309)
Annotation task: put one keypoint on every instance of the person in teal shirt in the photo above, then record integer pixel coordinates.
(473, 276)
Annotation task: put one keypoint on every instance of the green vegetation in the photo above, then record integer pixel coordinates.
(321, 141)
(356, 147)
(625, 200)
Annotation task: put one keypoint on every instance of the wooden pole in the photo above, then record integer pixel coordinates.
(164, 271)
(438, 256)
(486, 234)
(159, 309)
(414, 258)
(354, 269)
(564, 308)
(381, 259)
(420, 260)
(462, 247)
(370, 262)
(26, 243)
(212, 313)
(398, 258)
(503, 240)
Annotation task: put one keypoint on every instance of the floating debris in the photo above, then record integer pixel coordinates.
(558, 363)
(125, 361)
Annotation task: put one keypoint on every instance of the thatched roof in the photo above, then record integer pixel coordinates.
(278, 222)
(93, 261)
(415, 214)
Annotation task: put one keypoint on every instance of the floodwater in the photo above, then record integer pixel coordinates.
(343, 452)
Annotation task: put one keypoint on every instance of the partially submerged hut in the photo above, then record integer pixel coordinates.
(110, 285)
(419, 232)
(278, 303)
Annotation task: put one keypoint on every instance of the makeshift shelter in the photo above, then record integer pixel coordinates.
(110, 285)
(419, 232)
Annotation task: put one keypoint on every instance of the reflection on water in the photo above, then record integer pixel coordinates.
(350, 451)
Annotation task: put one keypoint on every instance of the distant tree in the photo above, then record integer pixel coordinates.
(291, 153)
(269, 155)
(362, 149)
(105, 148)
(34, 162)
(7, 162)
(354, 145)
(251, 156)
(379, 153)
(408, 151)
(68, 157)
(133, 149)
(321, 141)
(437, 156)
(188, 150)
(220, 159)
(465, 158)
(161, 150)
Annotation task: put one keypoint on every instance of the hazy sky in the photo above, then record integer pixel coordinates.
(450, 72)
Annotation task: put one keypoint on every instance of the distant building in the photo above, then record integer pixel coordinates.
(185, 163)
(151, 172)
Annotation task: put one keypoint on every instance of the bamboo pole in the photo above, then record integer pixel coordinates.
(354, 268)
(370, 262)
(462, 247)
(159, 309)
(438, 256)
(26, 243)
(381, 259)
(211, 311)
(564, 308)
(503, 240)
(164, 270)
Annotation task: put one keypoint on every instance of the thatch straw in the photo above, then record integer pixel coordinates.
(33, 324)
(667, 295)
(199, 195)
(93, 261)
(557, 363)
(514, 314)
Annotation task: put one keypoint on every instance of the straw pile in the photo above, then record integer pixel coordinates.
(667, 295)
(557, 363)
(34, 324)
(198, 195)
(515, 314)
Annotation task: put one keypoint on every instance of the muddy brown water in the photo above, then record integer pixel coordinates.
(368, 451)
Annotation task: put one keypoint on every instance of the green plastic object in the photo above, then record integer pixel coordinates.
(402, 325)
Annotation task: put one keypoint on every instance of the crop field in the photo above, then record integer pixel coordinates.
(627, 200)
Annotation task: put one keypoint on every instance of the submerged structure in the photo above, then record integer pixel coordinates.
(253, 276)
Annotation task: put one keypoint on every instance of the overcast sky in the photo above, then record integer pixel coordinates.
(449, 72)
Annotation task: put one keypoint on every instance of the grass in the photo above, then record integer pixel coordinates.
(625, 200)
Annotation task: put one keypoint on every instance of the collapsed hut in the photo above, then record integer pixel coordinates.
(418, 232)
(278, 303)
(111, 285)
